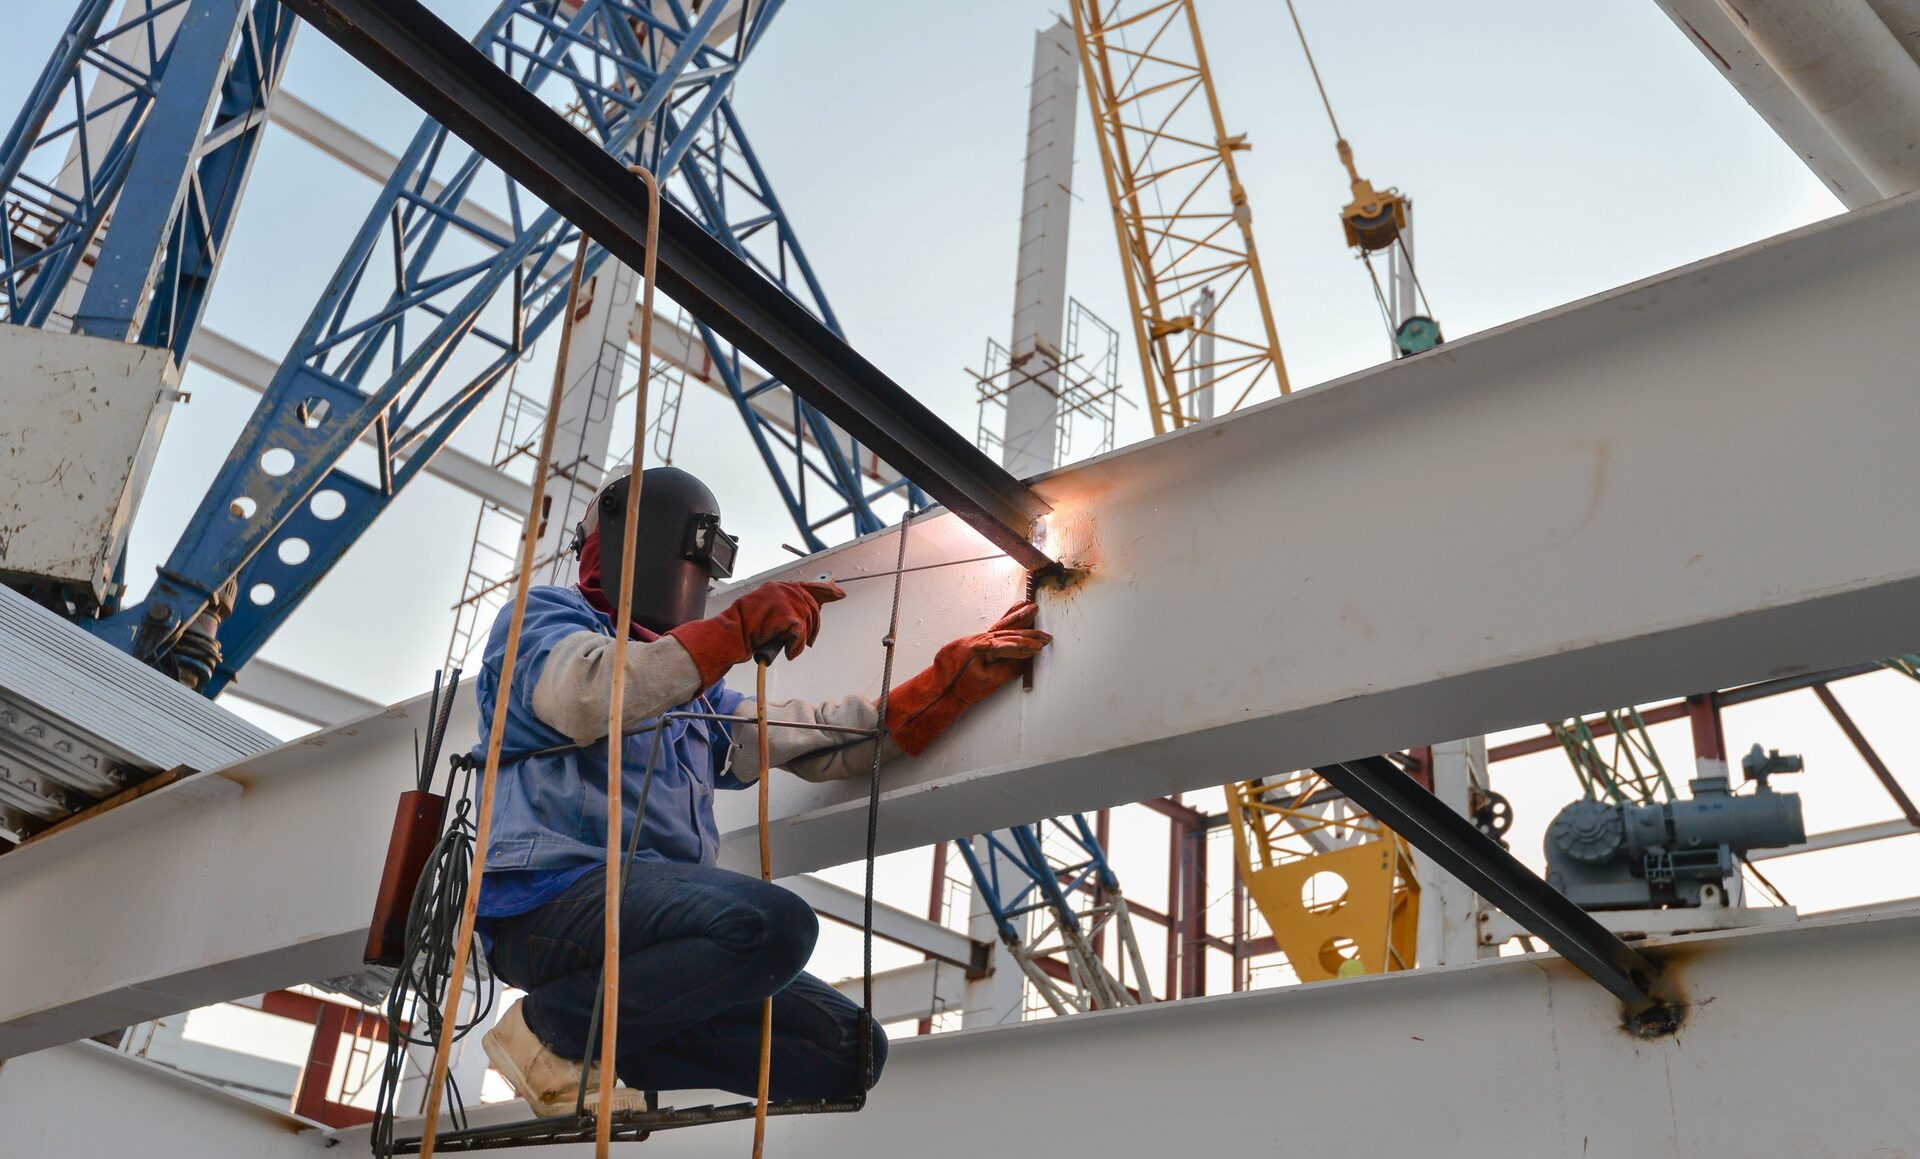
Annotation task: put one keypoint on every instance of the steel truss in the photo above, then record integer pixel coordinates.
(429, 310)
(1184, 225)
(167, 100)
(1074, 896)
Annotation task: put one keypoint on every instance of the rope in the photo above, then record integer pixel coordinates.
(616, 703)
(766, 874)
(483, 827)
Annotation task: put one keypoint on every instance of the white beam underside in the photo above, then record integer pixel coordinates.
(298, 695)
(1512, 1056)
(1687, 486)
(1515, 1057)
(908, 993)
(846, 906)
(1711, 30)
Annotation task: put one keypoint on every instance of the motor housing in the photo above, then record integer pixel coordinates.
(1622, 856)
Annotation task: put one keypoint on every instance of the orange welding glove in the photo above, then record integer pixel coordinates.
(963, 674)
(787, 613)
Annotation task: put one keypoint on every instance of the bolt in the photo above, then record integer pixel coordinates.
(156, 613)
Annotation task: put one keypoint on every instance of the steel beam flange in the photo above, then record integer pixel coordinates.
(454, 83)
(1455, 844)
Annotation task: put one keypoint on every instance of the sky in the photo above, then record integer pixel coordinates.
(1553, 152)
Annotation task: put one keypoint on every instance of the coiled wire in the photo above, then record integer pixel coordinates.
(433, 923)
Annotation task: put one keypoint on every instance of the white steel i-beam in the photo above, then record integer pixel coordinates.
(1040, 284)
(1514, 1056)
(1450, 912)
(1838, 89)
(1687, 484)
(1684, 483)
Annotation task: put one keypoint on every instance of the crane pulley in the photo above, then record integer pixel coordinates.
(1377, 221)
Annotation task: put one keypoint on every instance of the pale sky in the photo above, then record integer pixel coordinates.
(1553, 152)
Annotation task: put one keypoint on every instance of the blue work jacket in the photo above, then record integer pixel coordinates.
(550, 812)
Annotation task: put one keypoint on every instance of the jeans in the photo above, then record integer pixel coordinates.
(700, 950)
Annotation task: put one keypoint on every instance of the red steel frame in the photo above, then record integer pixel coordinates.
(313, 1099)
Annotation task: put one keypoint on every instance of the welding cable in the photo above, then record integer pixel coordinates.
(432, 930)
(439, 710)
(626, 874)
(867, 1075)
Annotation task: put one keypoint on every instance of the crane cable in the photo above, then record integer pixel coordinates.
(1315, 69)
(1346, 158)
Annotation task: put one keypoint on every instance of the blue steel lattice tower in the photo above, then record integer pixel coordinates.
(429, 310)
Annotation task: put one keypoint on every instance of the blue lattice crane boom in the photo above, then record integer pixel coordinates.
(412, 333)
(1058, 904)
(122, 173)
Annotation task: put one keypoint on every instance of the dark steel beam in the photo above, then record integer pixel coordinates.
(456, 85)
(1381, 788)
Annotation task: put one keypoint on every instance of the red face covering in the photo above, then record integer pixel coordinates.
(589, 585)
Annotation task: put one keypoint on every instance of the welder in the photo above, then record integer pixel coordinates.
(701, 947)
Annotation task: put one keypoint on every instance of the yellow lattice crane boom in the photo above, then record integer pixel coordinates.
(1337, 887)
(1198, 303)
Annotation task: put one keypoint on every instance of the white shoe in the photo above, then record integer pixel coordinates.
(548, 1083)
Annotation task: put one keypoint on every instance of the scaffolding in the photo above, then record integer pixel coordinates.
(1085, 378)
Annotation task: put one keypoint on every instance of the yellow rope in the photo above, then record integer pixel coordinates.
(622, 625)
(483, 826)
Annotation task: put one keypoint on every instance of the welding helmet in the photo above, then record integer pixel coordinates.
(679, 547)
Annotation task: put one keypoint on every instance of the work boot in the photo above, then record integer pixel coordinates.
(548, 1083)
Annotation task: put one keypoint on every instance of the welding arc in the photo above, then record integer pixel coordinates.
(847, 579)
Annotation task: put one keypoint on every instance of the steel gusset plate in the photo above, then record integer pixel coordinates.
(1457, 845)
(454, 83)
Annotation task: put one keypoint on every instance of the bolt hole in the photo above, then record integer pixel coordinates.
(294, 551)
(328, 505)
(243, 508)
(261, 594)
(1336, 953)
(1323, 892)
(277, 462)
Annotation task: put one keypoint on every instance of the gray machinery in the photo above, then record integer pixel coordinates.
(1674, 853)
